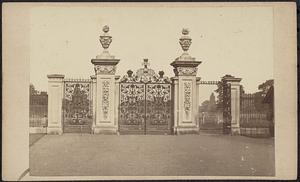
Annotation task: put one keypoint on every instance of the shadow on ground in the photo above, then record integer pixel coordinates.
(34, 137)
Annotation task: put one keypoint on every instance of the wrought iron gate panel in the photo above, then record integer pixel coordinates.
(77, 106)
(132, 108)
(145, 102)
(158, 108)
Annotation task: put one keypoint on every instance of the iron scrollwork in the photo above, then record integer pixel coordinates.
(145, 101)
(77, 103)
(131, 104)
(158, 108)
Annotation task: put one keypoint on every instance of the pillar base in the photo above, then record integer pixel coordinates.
(54, 130)
(110, 130)
(181, 130)
(37, 130)
(235, 130)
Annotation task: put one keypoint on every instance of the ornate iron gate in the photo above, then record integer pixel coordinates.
(145, 103)
(211, 110)
(77, 106)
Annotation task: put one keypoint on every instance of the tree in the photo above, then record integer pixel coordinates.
(219, 92)
(259, 96)
(264, 87)
(32, 90)
(204, 106)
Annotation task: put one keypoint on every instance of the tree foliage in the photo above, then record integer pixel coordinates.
(32, 90)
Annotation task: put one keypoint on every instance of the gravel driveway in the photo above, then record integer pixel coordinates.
(152, 155)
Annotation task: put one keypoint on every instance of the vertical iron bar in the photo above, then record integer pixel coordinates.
(119, 107)
(63, 107)
(145, 107)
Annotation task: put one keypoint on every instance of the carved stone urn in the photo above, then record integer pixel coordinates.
(105, 40)
(105, 63)
(185, 64)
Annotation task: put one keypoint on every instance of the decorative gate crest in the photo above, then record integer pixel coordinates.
(145, 75)
(145, 102)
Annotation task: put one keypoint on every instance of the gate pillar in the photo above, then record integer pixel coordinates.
(55, 97)
(185, 89)
(94, 96)
(234, 84)
(105, 68)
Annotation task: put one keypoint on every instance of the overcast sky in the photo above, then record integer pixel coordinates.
(228, 40)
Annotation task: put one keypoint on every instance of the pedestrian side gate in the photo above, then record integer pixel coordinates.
(77, 106)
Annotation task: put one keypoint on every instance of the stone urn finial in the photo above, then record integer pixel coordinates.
(146, 63)
(105, 29)
(105, 39)
(129, 73)
(185, 40)
(161, 74)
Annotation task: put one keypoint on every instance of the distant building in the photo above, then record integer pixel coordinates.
(208, 111)
(209, 105)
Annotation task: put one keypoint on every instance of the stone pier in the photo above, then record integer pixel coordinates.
(105, 69)
(55, 98)
(234, 84)
(185, 89)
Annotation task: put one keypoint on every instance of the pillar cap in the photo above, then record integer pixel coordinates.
(93, 76)
(230, 78)
(105, 61)
(56, 76)
(185, 63)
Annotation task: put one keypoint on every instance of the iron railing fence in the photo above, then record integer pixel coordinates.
(38, 110)
(254, 116)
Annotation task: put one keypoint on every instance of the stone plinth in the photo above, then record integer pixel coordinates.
(55, 97)
(105, 96)
(185, 96)
(235, 102)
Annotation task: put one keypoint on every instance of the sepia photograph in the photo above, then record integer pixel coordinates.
(151, 90)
